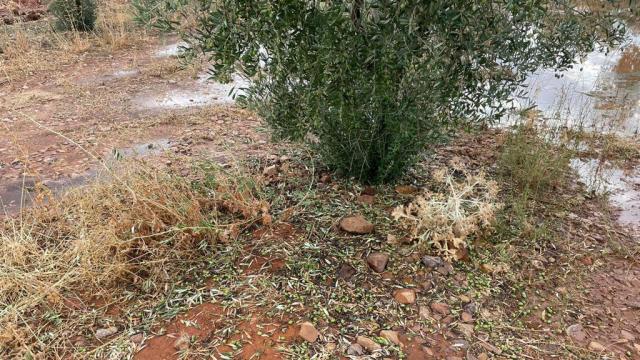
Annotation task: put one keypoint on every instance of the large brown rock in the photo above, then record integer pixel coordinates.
(356, 224)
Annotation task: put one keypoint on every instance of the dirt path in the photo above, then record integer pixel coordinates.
(58, 127)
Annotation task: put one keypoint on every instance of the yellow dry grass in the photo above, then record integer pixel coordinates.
(448, 219)
(136, 231)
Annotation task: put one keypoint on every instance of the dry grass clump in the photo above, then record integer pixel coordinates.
(465, 207)
(135, 231)
(28, 48)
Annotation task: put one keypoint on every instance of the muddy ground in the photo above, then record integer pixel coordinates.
(577, 296)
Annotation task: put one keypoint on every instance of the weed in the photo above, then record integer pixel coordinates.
(448, 219)
(533, 164)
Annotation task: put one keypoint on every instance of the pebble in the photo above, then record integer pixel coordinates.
(576, 331)
(378, 261)
(106, 332)
(308, 332)
(405, 296)
(367, 199)
(440, 308)
(424, 313)
(392, 336)
(355, 350)
(432, 262)
(466, 317)
(596, 346)
(471, 308)
(356, 224)
(136, 338)
(368, 344)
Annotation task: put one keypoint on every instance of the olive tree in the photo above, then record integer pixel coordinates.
(375, 82)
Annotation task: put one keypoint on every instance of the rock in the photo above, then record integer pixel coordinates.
(345, 272)
(367, 199)
(355, 350)
(182, 343)
(596, 346)
(471, 308)
(392, 239)
(356, 225)
(377, 261)
(392, 336)
(483, 356)
(432, 262)
(106, 332)
(137, 338)
(424, 313)
(445, 269)
(466, 317)
(466, 329)
(308, 332)
(460, 344)
(576, 332)
(637, 347)
(627, 335)
(440, 308)
(368, 344)
(405, 296)
(487, 268)
(270, 171)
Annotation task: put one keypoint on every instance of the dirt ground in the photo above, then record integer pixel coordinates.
(575, 298)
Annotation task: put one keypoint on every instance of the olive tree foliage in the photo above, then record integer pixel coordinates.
(374, 82)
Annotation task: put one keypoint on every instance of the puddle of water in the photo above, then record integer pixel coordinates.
(125, 73)
(18, 194)
(601, 93)
(204, 92)
(170, 50)
(622, 187)
(155, 147)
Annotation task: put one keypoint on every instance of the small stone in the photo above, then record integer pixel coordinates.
(270, 171)
(445, 269)
(483, 356)
(368, 344)
(308, 332)
(487, 268)
(440, 308)
(561, 290)
(137, 338)
(106, 332)
(182, 343)
(356, 225)
(471, 308)
(464, 298)
(346, 272)
(392, 336)
(576, 331)
(355, 350)
(405, 296)
(378, 261)
(432, 262)
(424, 313)
(637, 347)
(466, 329)
(466, 317)
(460, 344)
(596, 346)
(392, 239)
